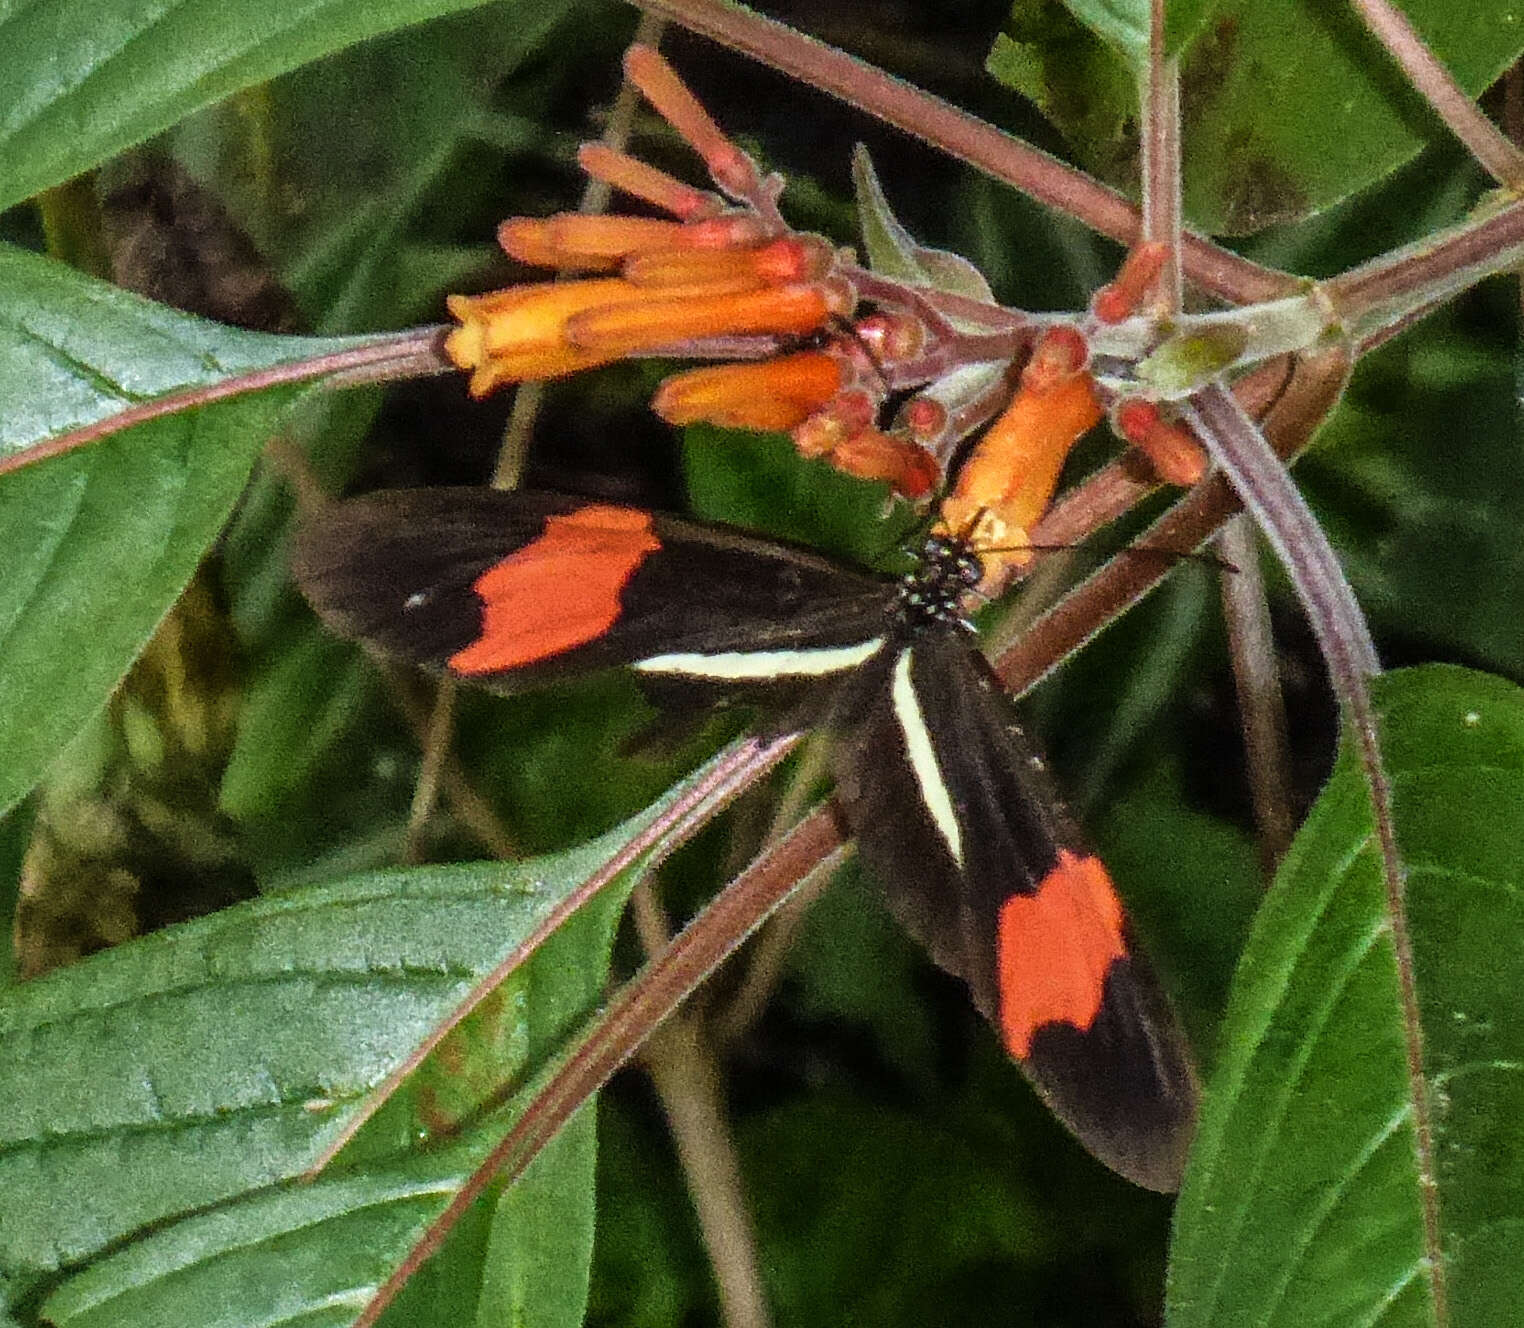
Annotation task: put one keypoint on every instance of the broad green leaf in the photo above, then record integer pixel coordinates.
(194, 1064)
(84, 81)
(1302, 1202)
(99, 542)
(1122, 24)
(541, 1242)
(157, 1099)
(314, 1254)
(1289, 105)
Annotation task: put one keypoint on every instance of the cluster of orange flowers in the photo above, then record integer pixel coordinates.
(730, 281)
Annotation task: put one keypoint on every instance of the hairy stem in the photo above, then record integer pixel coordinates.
(965, 137)
(1261, 709)
(1270, 496)
(402, 354)
(1491, 148)
(1161, 160)
(616, 1034)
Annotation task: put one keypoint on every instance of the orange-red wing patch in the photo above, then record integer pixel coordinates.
(559, 591)
(1055, 946)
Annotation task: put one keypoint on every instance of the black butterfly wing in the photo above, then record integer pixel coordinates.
(955, 815)
(509, 589)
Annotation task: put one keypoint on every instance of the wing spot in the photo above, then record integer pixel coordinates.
(559, 591)
(1056, 946)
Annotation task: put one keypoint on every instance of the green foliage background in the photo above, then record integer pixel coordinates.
(899, 1169)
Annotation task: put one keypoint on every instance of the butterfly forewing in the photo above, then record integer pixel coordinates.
(510, 589)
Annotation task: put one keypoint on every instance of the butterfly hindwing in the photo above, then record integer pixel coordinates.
(954, 814)
(509, 589)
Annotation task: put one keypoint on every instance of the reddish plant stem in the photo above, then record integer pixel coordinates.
(1492, 150)
(1246, 611)
(729, 774)
(965, 137)
(1440, 265)
(419, 349)
(1261, 708)
(629, 1019)
(1161, 161)
(1280, 512)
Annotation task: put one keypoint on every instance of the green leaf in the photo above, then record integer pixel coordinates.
(1122, 24)
(1302, 1201)
(534, 1276)
(99, 542)
(315, 1253)
(158, 1100)
(892, 250)
(290, 717)
(84, 81)
(1288, 105)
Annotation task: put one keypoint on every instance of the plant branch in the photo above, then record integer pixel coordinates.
(1278, 508)
(618, 1032)
(415, 353)
(686, 1074)
(726, 775)
(1491, 148)
(1271, 497)
(1161, 161)
(1261, 708)
(965, 137)
(1420, 275)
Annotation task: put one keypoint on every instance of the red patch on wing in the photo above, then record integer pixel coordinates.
(558, 591)
(1055, 946)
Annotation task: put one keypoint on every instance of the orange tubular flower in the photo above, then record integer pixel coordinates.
(771, 395)
(658, 82)
(1171, 447)
(577, 240)
(635, 326)
(1138, 272)
(517, 334)
(640, 180)
(1009, 480)
(782, 262)
(871, 455)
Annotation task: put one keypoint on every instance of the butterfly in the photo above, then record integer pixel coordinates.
(953, 811)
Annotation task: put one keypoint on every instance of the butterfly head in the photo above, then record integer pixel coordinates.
(933, 592)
